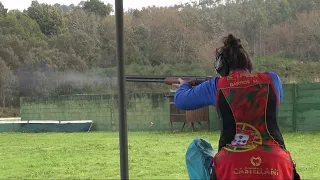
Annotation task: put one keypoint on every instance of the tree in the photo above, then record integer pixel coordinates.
(3, 10)
(7, 84)
(49, 18)
(18, 24)
(97, 7)
(65, 8)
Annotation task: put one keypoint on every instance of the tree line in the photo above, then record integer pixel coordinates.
(71, 49)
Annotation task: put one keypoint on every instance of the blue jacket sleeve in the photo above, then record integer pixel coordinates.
(277, 84)
(190, 98)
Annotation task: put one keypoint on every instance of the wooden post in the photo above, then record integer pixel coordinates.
(294, 108)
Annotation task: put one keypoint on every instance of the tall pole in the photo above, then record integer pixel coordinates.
(123, 134)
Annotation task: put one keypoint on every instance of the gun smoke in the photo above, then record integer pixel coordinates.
(63, 82)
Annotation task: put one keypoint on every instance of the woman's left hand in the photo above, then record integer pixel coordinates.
(181, 81)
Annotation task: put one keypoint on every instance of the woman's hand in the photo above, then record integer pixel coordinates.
(181, 81)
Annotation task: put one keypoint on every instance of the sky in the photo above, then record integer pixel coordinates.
(136, 4)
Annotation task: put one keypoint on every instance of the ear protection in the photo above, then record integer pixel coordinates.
(222, 66)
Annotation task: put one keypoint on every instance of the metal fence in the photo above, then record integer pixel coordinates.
(299, 111)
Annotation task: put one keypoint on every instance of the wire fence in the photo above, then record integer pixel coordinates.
(300, 110)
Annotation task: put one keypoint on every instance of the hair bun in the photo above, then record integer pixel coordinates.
(230, 40)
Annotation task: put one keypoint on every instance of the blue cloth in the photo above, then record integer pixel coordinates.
(198, 159)
(190, 98)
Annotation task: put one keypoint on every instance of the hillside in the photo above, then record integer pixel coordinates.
(70, 49)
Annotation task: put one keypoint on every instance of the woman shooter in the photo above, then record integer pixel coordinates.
(251, 145)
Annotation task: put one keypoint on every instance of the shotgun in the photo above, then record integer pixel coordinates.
(169, 80)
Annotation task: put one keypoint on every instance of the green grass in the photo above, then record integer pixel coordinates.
(96, 155)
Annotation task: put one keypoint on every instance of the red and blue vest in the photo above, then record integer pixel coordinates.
(251, 145)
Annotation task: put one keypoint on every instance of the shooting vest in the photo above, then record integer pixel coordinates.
(251, 145)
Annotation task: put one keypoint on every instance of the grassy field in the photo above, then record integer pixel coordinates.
(96, 155)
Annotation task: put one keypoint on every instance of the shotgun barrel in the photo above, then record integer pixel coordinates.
(169, 80)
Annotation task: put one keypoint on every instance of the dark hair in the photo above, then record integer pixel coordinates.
(234, 54)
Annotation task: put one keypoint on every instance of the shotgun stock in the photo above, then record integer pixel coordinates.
(169, 80)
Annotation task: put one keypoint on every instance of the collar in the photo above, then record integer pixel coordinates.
(238, 70)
